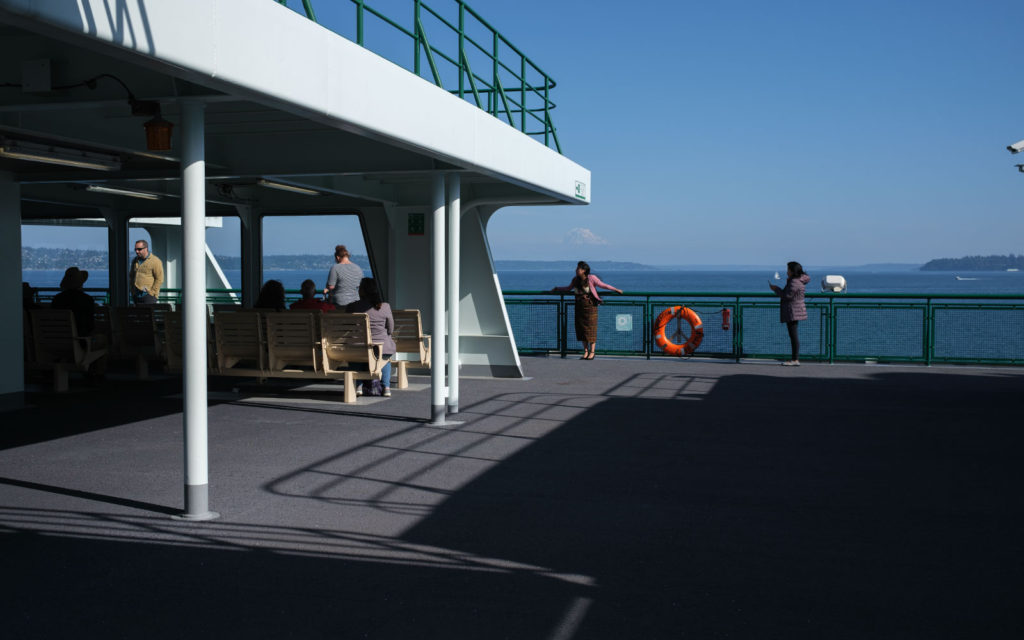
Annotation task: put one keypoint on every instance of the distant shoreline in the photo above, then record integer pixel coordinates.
(34, 259)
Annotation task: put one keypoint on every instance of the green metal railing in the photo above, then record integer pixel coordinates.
(975, 329)
(851, 327)
(506, 84)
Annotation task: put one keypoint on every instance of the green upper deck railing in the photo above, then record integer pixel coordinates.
(506, 83)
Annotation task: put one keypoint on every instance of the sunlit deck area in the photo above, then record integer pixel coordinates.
(619, 498)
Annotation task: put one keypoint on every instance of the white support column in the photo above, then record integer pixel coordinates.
(193, 216)
(437, 389)
(454, 243)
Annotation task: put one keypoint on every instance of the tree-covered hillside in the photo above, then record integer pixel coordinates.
(976, 263)
(91, 259)
(59, 259)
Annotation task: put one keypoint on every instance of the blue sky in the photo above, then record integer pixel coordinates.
(755, 133)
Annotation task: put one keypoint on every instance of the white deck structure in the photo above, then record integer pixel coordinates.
(256, 91)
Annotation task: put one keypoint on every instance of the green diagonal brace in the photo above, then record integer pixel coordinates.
(504, 100)
(472, 80)
(308, 6)
(426, 47)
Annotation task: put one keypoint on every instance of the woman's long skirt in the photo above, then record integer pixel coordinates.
(586, 319)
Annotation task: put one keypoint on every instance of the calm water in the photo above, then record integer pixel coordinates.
(1000, 282)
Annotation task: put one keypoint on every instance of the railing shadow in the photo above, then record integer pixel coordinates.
(95, 575)
(778, 505)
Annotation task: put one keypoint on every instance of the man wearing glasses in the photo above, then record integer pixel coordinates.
(147, 275)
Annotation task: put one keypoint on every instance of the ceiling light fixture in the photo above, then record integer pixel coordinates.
(131, 193)
(18, 150)
(281, 186)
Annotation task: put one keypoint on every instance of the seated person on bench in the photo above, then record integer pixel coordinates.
(382, 325)
(309, 299)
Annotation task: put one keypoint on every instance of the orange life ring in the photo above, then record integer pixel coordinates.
(696, 331)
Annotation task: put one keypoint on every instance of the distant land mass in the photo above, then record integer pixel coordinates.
(293, 262)
(60, 259)
(34, 258)
(975, 263)
(568, 265)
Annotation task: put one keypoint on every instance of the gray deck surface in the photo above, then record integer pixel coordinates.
(619, 498)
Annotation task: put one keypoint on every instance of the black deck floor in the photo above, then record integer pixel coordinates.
(619, 498)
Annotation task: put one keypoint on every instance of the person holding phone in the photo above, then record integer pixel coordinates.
(792, 308)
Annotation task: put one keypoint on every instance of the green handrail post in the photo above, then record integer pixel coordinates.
(494, 72)
(736, 345)
(522, 93)
(563, 325)
(547, 111)
(831, 330)
(648, 322)
(929, 332)
(739, 331)
(359, 23)
(416, 23)
(462, 51)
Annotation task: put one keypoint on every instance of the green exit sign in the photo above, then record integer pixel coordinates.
(416, 224)
(581, 190)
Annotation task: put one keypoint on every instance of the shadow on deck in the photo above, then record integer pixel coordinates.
(641, 500)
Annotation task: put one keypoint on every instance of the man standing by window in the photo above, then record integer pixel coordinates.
(147, 275)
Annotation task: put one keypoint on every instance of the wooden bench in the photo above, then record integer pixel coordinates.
(293, 343)
(138, 335)
(56, 345)
(346, 343)
(411, 345)
(241, 348)
(174, 345)
(298, 344)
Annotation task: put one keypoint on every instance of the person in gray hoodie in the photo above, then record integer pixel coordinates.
(792, 308)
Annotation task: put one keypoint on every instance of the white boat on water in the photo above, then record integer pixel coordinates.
(1012, 269)
(963, 278)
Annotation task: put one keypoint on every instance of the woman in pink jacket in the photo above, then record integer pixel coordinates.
(585, 286)
(792, 308)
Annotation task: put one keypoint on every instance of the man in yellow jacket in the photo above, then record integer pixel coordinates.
(147, 274)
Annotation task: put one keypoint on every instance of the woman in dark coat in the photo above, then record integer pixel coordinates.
(792, 308)
(585, 286)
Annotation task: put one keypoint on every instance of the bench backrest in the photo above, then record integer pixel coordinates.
(103, 323)
(174, 344)
(345, 338)
(239, 336)
(408, 334)
(293, 339)
(54, 336)
(174, 341)
(137, 328)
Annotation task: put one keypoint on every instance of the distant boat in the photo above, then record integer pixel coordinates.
(1012, 269)
(963, 278)
(777, 276)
